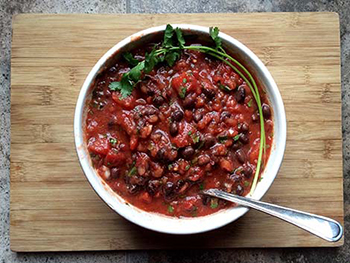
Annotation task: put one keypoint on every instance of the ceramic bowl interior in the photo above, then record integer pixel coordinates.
(158, 222)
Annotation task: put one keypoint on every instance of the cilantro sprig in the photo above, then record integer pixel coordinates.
(169, 52)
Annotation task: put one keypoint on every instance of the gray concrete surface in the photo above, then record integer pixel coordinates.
(9, 8)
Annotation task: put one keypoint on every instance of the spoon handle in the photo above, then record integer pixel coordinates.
(320, 226)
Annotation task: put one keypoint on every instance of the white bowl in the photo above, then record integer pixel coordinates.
(159, 222)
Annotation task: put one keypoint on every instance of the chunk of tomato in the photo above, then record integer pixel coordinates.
(127, 103)
(99, 146)
(114, 157)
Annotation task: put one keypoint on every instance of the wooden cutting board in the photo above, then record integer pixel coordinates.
(53, 208)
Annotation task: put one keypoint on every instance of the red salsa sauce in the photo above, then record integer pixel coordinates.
(184, 128)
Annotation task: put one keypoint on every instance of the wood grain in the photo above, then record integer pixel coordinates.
(53, 208)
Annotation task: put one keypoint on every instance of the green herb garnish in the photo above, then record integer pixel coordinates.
(224, 87)
(182, 93)
(214, 33)
(194, 161)
(170, 209)
(201, 186)
(184, 80)
(236, 138)
(195, 138)
(113, 141)
(222, 138)
(169, 52)
(132, 171)
(201, 145)
(130, 59)
(187, 167)
(249, 104)
(214, 203)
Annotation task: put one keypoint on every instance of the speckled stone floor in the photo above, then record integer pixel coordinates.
(319, 255)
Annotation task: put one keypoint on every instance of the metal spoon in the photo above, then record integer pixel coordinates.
(320, 226)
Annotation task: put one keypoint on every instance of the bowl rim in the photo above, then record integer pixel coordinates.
(173, 225)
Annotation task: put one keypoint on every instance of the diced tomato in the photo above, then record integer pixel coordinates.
(184, 135)
(134, 140)
(127, 103)
(226, 165)
(145, 197)
(114, 157)
(99, 146)
(185, 81)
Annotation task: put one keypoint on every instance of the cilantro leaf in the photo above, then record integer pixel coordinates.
(135, 72)
(168, 36)
(214, 203)
(249, 104)
(124, 86)
(132, 171)
(182, 93)
(130, 59)
(113, 141)
(170, 209)
(214, 33)
(150, 61)
(224, 87)
(180, 37)
(171, 57)
(195, 138)
(222, 138)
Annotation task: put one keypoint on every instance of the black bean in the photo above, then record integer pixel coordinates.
(150, 110)
(133, 188)
(243, 127)
(240, 156)
(197, 116)
(209, 140)
(173, 129)
(189, 102)
(209, 93)
(158, 100)
(150, 92)
(266, 111)
(205, 200)
(244, 138)
(139, 180)
(177, 115)
(168, 187)
(111, 124)
(240, 94)
(161, 154)
(235, 178)
(152, 186)
(248, 171)
(239, 190)
(203, 159)
(188, 152)
(255, 117)
(181, 186)
(169, 190)
(236, 146)
(115, 172)
(97, 93)
(225, 115)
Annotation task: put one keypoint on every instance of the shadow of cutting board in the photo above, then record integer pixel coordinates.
(53, 208)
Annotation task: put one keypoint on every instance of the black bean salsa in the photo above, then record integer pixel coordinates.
(162, 133)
